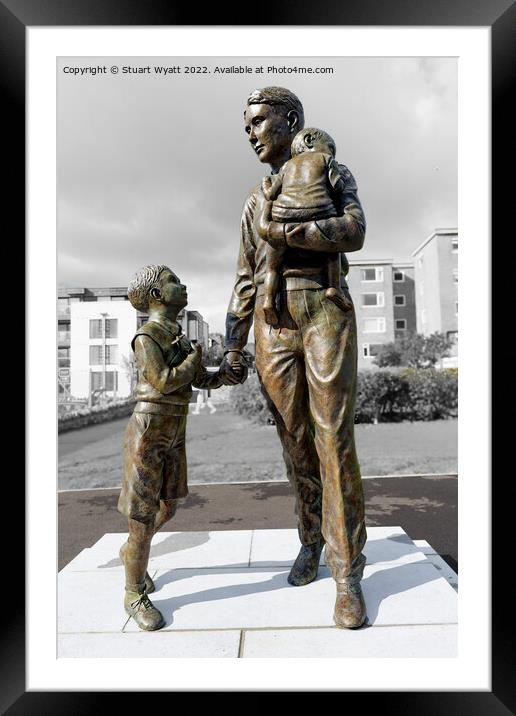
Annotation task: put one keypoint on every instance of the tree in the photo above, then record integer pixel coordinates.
(414, 351)
(437, 346)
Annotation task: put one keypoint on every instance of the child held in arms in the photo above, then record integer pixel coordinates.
(303, 190)
(154, 469)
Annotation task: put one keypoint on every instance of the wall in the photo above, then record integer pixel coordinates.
(81, 313)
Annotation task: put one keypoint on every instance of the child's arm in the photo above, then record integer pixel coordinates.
(334, 176)
(206, 380)
(149, 359)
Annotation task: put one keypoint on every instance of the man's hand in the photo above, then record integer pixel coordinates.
(339, 233)
(233, 369)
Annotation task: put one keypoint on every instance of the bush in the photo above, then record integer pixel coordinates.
(408, 394)
(83, 416)
(433, 393)
(382, 396)
(247, 399)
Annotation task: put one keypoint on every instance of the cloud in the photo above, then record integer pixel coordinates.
(157, 171)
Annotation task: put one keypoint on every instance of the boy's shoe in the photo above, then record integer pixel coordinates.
(138, 605)
(305, 568)
(350, 609)
(149, 584)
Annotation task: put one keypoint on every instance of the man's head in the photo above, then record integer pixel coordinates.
(154, 286)
(312, 139)
(272, 116)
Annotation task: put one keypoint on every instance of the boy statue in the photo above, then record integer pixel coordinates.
(154, 470)
(303, 190)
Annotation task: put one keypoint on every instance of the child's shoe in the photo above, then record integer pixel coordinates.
(138, 605)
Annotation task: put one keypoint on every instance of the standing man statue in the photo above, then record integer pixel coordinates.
(307, 363)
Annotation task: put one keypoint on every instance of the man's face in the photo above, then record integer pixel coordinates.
(173, 292)
(268, 131)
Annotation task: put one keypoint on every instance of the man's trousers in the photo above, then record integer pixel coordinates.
(307, 367)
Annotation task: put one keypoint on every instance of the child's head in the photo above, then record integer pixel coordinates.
(155, 284)
(311, 139)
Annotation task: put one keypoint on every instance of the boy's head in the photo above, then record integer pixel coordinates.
(312, 139)
(156, 285)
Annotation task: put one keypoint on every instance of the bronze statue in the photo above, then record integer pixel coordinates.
(302, 190)
(154, 477)
(307, 362)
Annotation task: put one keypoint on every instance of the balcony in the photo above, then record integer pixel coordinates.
(63, 337)
(63, 313)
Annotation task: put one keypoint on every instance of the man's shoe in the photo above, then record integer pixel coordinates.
(149, 584)
(304, 570)
(138, 605)
(350, 608)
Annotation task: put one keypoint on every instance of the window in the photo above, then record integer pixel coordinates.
(111, 327)
(96, 328)
(141, 321)
(63, 357)
(112, 354)
(373, 299)
(95, 355)
(374, 325)
(111, 380)
(455, 246)
(455, 275)
(371, 349)
(372, 274)
(398, 276)
(399, 300)
(400, 324)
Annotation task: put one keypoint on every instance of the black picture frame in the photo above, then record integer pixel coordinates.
(499, 15)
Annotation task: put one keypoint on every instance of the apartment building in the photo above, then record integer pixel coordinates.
(95, 329)
(384, 296)
(437, 281)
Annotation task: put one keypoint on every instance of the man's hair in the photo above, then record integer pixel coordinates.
(315, 135)
(278, 96)
(140, 286)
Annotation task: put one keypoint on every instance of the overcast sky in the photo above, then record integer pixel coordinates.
(155, 169)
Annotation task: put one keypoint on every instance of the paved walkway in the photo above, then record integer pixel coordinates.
(425, 507)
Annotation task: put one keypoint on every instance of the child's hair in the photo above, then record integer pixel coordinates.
(140, 286)
(314, 135)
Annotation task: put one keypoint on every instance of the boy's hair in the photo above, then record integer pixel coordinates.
(140, 286)
(278, 96)
(315, 135)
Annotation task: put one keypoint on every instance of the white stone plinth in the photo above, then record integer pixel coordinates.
(225, 594)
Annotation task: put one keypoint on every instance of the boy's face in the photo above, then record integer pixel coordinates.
(173, 292)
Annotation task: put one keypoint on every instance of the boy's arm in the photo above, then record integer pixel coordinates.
(206, 380)
(334, 176)
(149, 359)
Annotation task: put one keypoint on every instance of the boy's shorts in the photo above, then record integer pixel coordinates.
(154, 464)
